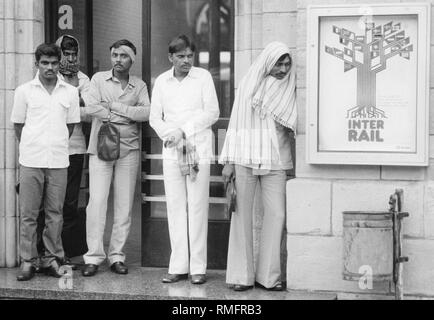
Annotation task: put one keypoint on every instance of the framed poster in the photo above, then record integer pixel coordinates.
(368, 84)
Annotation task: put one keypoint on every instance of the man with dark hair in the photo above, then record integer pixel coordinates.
(69, 72)
(181, 43)
(184, 107)
(122, 98)
(44, 113)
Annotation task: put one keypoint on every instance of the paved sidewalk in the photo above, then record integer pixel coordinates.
(139, 284)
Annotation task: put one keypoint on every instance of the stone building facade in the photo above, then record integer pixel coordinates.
(317, 196)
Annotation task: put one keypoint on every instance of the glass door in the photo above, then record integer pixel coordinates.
(209, 23)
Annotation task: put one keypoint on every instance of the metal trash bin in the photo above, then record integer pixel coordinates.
(368, 243)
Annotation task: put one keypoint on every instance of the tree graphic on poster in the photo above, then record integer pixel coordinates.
(368, 54)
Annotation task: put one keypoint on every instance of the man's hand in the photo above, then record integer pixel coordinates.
(228, 172)
(107, 105)
(82, 104)
(174, 138)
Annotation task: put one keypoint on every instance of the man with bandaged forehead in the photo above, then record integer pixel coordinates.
(122, 98)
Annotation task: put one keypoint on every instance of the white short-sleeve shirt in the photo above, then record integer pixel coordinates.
(77, 142)
(45, 138)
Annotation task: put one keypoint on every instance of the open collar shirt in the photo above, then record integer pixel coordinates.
(128, 107)
(190, 105)
(45, 138)
(77, 142)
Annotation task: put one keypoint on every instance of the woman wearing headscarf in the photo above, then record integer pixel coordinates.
(257, 150)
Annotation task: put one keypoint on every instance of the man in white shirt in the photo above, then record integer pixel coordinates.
(184, 107)
(70, 73)
(44, 113)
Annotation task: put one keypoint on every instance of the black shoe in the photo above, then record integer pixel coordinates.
(39, 269)
(172, 278)
(67, 261)
(198, 278)
(119, 268)
(89, 270)
(278, 287)
(53, 270)
(240, 287)
(26, 273)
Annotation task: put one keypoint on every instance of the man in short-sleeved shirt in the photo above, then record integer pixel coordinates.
(72, 239)
(44, 113)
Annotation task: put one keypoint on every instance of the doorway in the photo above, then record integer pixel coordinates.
(210, 24)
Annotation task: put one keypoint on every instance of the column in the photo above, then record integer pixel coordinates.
(21, 30)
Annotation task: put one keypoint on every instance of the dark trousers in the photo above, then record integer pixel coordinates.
(70, 211)
(41, 187)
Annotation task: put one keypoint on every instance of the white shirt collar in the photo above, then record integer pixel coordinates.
(192, 73)
(37, 82)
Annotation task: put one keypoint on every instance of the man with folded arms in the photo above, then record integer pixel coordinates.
(44, 113)
(123, 98)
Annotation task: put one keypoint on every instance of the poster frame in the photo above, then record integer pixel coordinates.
(361, 157)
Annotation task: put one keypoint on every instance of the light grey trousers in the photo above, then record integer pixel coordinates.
(124, 174)
(32, 183)
(240, 265)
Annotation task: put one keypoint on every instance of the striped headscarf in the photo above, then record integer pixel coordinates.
(260, 101)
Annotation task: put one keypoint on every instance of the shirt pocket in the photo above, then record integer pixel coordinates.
(35, 103)
(35, 109)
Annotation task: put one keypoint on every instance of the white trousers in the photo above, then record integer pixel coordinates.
(187, 215)
(240, 267)
(124, 174)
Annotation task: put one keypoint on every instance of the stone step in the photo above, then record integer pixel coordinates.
(139, 284)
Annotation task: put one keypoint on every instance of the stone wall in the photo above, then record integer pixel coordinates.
(21, 30)
(257, 23)
(319, 195)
